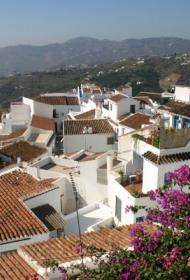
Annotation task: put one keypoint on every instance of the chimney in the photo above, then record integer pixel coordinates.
(110, 158)
(38, 172)
(19, 161)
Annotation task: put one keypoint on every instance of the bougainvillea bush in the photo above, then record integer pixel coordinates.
(163, 253)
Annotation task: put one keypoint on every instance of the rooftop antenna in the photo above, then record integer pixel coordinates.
(77, 211)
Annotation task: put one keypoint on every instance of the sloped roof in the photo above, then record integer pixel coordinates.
(117, 97)
(76, 127)
(13, 135)
(24, 150)
(63, 249)
(16, 219)
(151, 95)
(57, 100)
(144, 99)
(166, 159)
(136, 120)
(43, 123)
(177, 107)
(13, 267)
(89, 115)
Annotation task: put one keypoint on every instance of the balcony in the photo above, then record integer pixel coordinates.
(133, 184)
(153, 139)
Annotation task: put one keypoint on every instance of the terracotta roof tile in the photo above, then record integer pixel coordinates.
(117, 97)
(63, 249)
(16, 220)
(13, 267)
(177, 107)
(136, 121)
(151, 95)
(43, 123)
(89, 115)
(24, 150)
(57, 100)
(166, 159)
(76, 127)
(144, 99)
(91, 156)
(13, 135)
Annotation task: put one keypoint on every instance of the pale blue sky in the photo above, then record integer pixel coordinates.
(39, 22)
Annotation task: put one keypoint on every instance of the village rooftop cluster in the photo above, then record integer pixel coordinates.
(104, 145)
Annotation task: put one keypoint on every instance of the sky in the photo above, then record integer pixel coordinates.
(40, 22)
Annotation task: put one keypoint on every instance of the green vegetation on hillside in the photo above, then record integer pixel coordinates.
(154, 74)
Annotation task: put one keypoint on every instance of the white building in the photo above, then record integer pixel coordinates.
(182, 94)
(120, 105)
(134, 122)
(53, 106)
(153, 151)
(41, 132)
(18, 118)
(90, 135)
(19, 223)
(126, 89)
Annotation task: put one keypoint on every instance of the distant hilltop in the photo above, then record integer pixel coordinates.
(84, 50)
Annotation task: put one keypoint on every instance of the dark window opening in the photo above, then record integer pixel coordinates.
(139, 219)
(110, 140)
(132, 109)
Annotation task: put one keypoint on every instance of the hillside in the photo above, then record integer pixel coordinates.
(150, 74)
(84, 50)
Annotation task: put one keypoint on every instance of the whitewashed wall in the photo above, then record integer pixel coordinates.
(89, 189)
(122, 107)
(154, 175)
(51, 197)
(182, 93)
(116, 189)
(87, 142)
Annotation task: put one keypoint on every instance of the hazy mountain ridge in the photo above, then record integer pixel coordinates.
(84, 50)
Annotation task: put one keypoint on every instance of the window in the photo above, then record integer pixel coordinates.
(132, 109)
(118, 208)
(54, 113)
(139, 219)
(142, 106)
(110, 140)
(167, 179)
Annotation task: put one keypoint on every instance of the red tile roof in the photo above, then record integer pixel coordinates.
(144, 99)
(177, 107)
(151, 95)
(43, 123)
(76, 127)
(57, 100)
(24, 150)
(63, 249)
(16, 220)
(166, 159)
(13, 267)
(92, 156)
(117, 97)
(136, 121)
(13, 135)
(89, 115)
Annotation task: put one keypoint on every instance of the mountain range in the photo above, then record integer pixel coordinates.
(85, 50)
